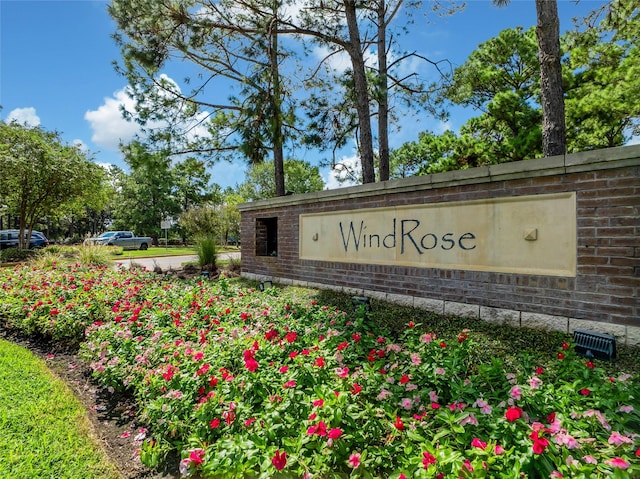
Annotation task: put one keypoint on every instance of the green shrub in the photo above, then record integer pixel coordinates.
(11, 255)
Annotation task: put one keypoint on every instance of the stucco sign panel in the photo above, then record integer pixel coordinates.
(524, 234)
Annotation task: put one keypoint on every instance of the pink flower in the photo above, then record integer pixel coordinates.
(334, 433)
(384, 394)
(618, 439)
(483, 405)
(283, 369)
(279, 460)
(354, 460)
(535, 382)
(618, 463)
(289, 384)
(498, 449)
(406, 403)
(585, 391)
(318, 403)
(590, 460)
(516, 392)
(555, 474)
(625, 408)
(433, 396)
(478, 443)
(470, 419)
(342, 372)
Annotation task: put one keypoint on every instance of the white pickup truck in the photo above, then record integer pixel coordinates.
(124, 239)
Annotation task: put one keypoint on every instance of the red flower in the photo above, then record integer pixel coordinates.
(399, 425)
(478, 443)
(215, 423)
(197, 456)
(428, 459)
(404, 379)
(585, 391)
(513, 413)
(334, 433)
(289, 384)
(551, 417)
(355, 389)
(251, 364)
(443, 344)
(318, 403)
(462, 337)
(356, 337)
(319, 429)
(342, 345)
(565, 345)
(272, 334)
(539, 370)
(319, 362)
(560, 355)
(539, 443)
(279, 460)
(590, 365)
(291, 336)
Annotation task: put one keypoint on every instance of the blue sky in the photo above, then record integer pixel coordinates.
(56, 69)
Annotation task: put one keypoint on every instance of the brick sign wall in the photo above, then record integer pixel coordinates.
(565, 257)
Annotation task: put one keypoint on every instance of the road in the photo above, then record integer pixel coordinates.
(169, 262)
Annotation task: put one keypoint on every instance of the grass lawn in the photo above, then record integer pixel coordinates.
(45, 433)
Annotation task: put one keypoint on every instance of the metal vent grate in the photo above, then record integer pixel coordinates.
(359, 302)
(595, 345)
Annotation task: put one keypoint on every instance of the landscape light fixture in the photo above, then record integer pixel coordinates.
(361, 302)
(265, 285)
(595, 345)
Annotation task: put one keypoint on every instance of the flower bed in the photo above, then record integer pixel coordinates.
(266, 384)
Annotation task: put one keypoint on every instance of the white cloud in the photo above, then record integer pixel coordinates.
(443, 126)
(635, 140)
(347, 172)
(108, 126)
(339, 62)
(81, 145)
(24, 116)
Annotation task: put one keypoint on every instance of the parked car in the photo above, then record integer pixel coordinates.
(125, 239)
(9, 239)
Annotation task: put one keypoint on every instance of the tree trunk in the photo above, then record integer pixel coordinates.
(276, 102)
(553, 117)
(362, 96)
(383, 95)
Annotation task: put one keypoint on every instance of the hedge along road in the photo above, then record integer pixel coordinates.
(169, 262)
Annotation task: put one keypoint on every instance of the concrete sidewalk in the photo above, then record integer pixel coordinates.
(168, 262)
